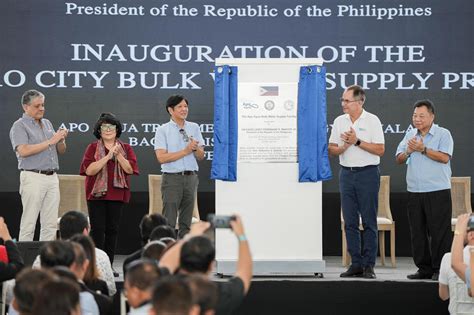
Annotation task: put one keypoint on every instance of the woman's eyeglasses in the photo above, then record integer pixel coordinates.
(108, 127)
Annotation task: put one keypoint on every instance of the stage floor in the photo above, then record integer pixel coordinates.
(390, 294)
(334, 268)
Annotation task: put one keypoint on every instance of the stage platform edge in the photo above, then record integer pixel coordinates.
(274, 267)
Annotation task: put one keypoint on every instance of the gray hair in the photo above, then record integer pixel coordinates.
(29, 95)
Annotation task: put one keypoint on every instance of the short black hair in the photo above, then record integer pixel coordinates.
(197, 254)
(204, 292)
(57, 253)
(107, 118)
(162, 231)
(174, 100)
(72, 223)
(148, 223)
(171, 295)
(57, 297)
(153, 250)
(27, 285)
(357, 91)
(168, 241)
(427, 103)
(142, 274)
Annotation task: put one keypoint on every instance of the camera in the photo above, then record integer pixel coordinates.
(220, 221)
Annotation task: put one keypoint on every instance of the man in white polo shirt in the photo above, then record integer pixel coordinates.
(357, 138)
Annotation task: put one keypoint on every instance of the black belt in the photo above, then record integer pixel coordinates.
(45, 172)
(182, 173)
(358, 168)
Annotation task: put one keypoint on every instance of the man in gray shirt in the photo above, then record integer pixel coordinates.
(36, 145)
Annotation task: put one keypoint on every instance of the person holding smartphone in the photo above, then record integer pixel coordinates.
(37, 145)
(178, 146)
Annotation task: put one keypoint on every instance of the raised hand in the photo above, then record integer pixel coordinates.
(4, 233)
(237, 225)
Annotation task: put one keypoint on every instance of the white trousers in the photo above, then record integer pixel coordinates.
(39, 196)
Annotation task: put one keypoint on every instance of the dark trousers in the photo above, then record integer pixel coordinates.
(359, 197)
(178, 193)
(429, 216)
(104, 217)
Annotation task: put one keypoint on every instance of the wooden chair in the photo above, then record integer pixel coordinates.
(73, 194)
(384, 223)
(460, 197)
(156, 202)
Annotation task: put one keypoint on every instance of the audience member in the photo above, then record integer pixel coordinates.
(86, 299)
(463, 270)
(162, 231)
(147, 224)
(196, 254)
(204, 293)
(56, 253)
(139, 282)
(28, 283)
(58, 297)
(154, 250)
(70, 255)
(13, 263)
(172, 296)
(91, 277)
(450, 283)
(169, 241)
(75, 222)
(79, 268)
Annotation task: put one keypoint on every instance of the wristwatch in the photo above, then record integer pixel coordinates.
(424, 151)
(357, 143)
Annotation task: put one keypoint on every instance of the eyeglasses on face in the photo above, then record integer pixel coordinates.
(344, 101)
(185, 135)
(108, 127)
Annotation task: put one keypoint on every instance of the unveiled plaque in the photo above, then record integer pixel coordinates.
(267, 122)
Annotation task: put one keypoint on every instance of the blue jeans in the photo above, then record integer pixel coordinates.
(359, 197)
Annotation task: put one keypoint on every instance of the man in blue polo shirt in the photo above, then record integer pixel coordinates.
(37, 145)
(427, 152)
(178, 146)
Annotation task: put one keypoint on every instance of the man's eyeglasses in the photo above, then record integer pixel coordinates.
(344, 101)
(185, 135)
(108, 127)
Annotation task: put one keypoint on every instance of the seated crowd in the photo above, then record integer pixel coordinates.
(165, 276)
(169, 276)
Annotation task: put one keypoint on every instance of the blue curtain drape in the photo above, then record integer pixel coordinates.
(312, 126)
(224, 162)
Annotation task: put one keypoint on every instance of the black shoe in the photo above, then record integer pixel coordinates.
(419, 275)
(369, 273)
(435, 276)
(353, 272)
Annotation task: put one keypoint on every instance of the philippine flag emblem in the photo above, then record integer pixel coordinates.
(269, 91)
